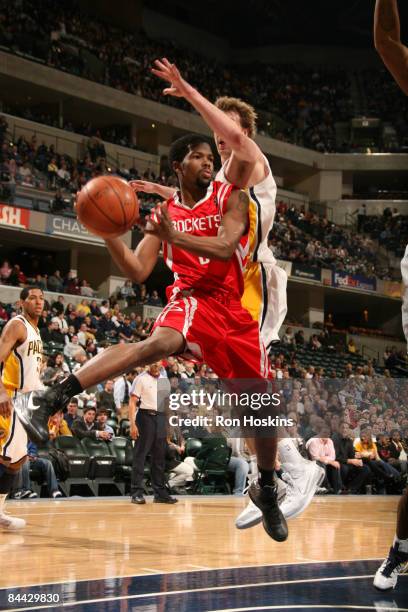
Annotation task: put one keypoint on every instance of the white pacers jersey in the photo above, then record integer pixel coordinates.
(21, 370)
(264, 281)
(262, 208)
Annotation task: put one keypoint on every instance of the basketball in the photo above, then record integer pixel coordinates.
(107, 206)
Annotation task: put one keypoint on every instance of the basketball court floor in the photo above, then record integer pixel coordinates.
(107, 554)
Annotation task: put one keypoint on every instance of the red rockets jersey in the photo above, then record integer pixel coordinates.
(204, 219)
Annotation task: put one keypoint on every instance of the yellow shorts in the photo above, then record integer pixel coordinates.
(265, 297)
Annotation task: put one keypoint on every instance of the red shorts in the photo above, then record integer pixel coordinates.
(220, 333)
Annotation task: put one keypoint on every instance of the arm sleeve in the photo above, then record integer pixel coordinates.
(137, 386)
(117, 392)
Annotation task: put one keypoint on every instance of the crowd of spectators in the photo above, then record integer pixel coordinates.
(299, 236)
(356, 428)
(306, 238)
(14, 276)
(307, 102)
(32, 164)
(361, 406)
(390, 229)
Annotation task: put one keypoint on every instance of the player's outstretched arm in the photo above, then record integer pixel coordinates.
(148, 187)
(233, 226)
(13, 334)
(243, 147)
(137, 265)
(387, 41)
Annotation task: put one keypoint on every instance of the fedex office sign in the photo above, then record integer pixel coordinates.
(353, 281)
(14, 217)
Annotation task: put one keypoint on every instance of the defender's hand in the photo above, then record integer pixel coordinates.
(170, 73)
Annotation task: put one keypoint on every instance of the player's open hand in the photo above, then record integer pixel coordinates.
(179, 88)
(160, 224)
(143, 186)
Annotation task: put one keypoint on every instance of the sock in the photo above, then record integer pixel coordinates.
(402, 545)
(266, 477)
(2, 502)
(288, 453)
(70, 386)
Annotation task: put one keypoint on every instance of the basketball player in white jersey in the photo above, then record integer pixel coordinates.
(20, 363)
(387, 40)
(243, 164)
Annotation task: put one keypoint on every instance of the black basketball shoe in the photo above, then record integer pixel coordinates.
(266, 498)
(35, 408)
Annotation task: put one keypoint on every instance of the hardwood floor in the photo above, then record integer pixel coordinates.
(76, 539)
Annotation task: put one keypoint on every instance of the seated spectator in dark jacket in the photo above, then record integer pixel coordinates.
(72, 412)
(106, 326)
(389, 452)
(52, 333)
(101, 419)
(106, 397)
(95, 310)
(155, 299)
(354, 473)
(300, 338)
(125, 331)
(87, 427)
(58, 306)
(399, 450)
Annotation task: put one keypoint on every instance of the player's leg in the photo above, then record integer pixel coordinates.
(111, 362)
(13, 446)
(301, 475)
(248, 358)
(7, 522)
(387, 575)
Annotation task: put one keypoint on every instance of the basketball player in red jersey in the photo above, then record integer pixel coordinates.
(394, 54)
(204, 230)
(243, 164)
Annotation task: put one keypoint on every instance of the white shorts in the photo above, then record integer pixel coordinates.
(13, 447)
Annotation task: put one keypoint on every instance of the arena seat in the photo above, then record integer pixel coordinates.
(212, 477)
(79, 462)
(113, 422)
(192, 447)
(102, 463)
(123, 452)
(124, 428)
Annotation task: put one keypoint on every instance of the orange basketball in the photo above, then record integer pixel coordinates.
(107, 206)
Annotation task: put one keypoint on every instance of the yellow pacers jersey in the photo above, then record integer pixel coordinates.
(264, 281)
(21, 370)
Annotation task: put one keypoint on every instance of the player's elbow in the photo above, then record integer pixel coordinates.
(381, 46)
(245, 148)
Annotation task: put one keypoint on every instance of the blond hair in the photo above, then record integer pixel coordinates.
(245, 111)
